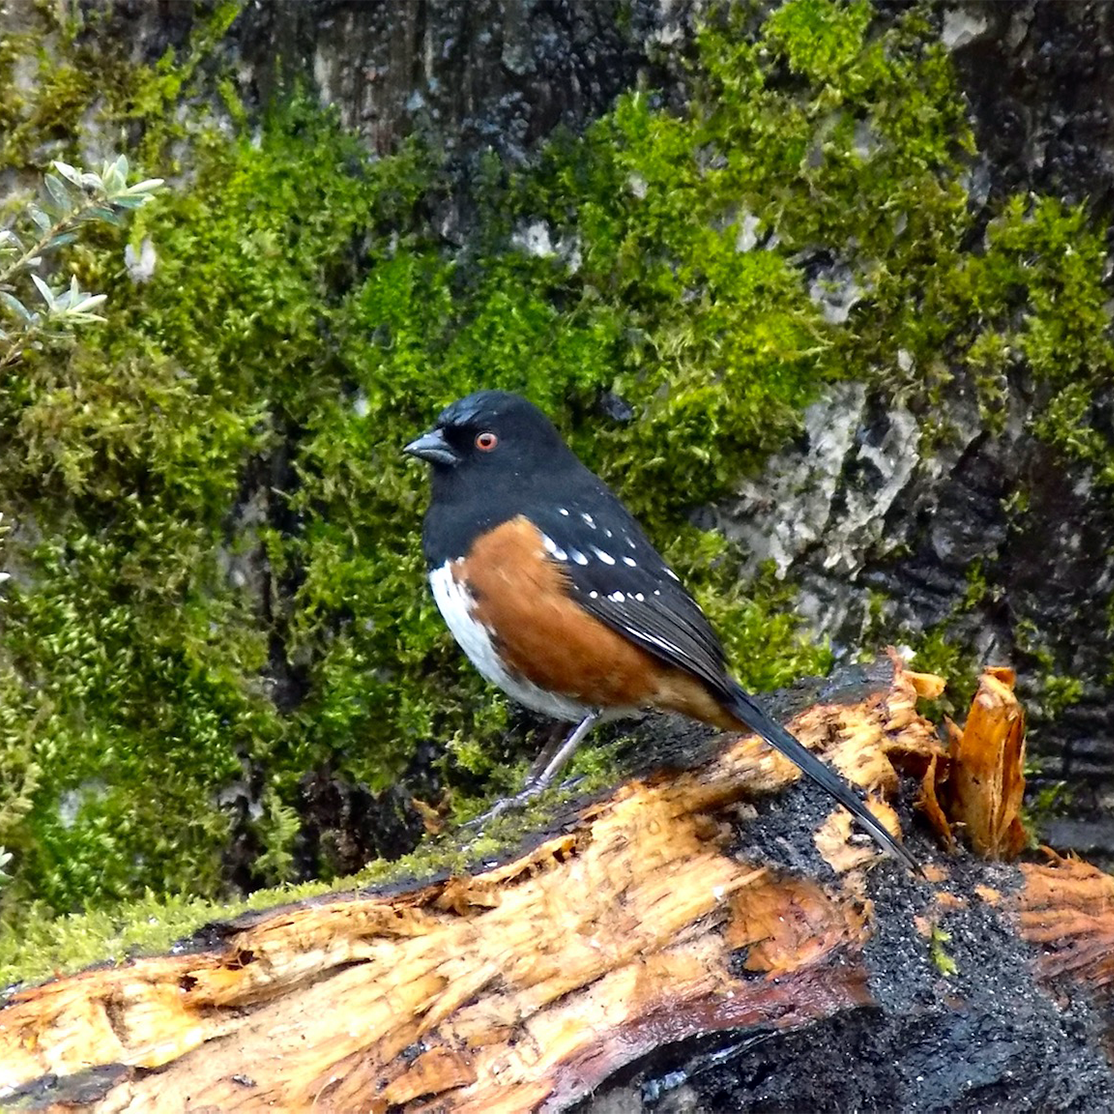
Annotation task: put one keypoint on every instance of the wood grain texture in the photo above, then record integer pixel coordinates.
(528, 985)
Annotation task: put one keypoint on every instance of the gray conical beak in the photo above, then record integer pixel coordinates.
(433, 447)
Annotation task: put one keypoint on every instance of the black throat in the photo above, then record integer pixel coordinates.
(466, 501)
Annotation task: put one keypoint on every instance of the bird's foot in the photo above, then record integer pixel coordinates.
(543, 772)
(508, 804)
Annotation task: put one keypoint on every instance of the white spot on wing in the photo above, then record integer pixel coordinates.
(577, 556)
(604, 556)
(562, 510)
(630, 561)
(657, 591)
(553, 549)
(616, 597)
(640, 597)
(670, 572)
(656, 640)
(588, 519)
(593, 595)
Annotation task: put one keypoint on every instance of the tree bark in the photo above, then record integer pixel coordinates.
(607, 956)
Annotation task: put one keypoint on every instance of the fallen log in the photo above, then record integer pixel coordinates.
(667, 937)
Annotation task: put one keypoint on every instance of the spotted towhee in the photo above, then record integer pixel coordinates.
(557, 596)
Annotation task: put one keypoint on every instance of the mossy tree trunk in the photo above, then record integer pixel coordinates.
(214, 590)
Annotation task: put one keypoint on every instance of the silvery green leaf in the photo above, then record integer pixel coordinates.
(90, 302)
(148, 185)
(41, 219)
(70, 173)
(61, 238)
(44, 291)
(99, 212)
(16, 306)
(115, 175)
(58, 193)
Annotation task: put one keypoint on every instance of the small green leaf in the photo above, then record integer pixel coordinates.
(148, 185)
(945, 964)
(100, 213)
(115, 175)
(16, 306)
(59, 194)
(70, 173)
(45, 291)
(91, 301)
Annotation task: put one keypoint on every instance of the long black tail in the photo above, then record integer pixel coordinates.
(744, 707)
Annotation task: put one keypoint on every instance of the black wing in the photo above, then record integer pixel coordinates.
(621, 579)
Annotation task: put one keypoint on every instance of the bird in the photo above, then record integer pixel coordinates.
(557, 596)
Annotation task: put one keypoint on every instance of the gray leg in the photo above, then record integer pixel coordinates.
(567, 750)
(536, 782)
(555, 734)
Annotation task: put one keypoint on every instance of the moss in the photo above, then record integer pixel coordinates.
(29, 122)
(1050, 691)
(1052, 799)
(939, 650)
(939, 939)
(979, 589)
(1039, 291)
(220, 585)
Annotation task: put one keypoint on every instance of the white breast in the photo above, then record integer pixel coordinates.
(456, 605)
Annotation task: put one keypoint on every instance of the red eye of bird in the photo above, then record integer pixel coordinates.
(486, 441)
